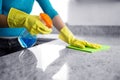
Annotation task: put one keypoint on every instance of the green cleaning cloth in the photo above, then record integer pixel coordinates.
(88, 49)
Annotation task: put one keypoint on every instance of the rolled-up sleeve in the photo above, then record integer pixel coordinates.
(47, 8)
(0, 6)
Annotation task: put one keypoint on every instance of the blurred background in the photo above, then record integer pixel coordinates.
(86, 12)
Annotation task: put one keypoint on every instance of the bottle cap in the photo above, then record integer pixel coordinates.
(47, 20)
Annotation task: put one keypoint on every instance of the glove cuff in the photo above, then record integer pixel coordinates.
(66, 35)
(16, 18)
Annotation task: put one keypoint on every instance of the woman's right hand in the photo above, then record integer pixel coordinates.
(32, 23)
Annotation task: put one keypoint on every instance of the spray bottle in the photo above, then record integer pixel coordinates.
(27, 40)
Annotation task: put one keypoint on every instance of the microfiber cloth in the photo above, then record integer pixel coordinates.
(88, 49)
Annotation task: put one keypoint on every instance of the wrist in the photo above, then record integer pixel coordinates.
(66, 35)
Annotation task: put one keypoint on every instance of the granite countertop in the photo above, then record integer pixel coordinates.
(53, 61)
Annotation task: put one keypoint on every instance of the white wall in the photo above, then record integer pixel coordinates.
(86, 12)
(94, 13)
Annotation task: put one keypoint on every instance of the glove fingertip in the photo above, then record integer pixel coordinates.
(97, 46)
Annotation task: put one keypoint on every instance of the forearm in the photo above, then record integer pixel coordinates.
(58, 23)
(3, 21)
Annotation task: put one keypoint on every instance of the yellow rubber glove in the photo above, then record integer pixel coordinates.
(67, 36)
(32, 23)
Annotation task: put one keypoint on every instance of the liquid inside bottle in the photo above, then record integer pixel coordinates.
(27, 40)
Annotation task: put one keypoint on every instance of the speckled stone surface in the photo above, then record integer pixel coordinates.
(103, 65)
(53, 61)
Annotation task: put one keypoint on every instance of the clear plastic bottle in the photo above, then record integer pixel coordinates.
(27, 40)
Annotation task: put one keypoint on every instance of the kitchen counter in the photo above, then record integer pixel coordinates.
(53, 61)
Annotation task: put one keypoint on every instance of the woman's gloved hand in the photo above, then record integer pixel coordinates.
(32, 23)
(68, 37)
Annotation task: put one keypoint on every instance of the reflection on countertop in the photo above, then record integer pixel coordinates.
(53, 61)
